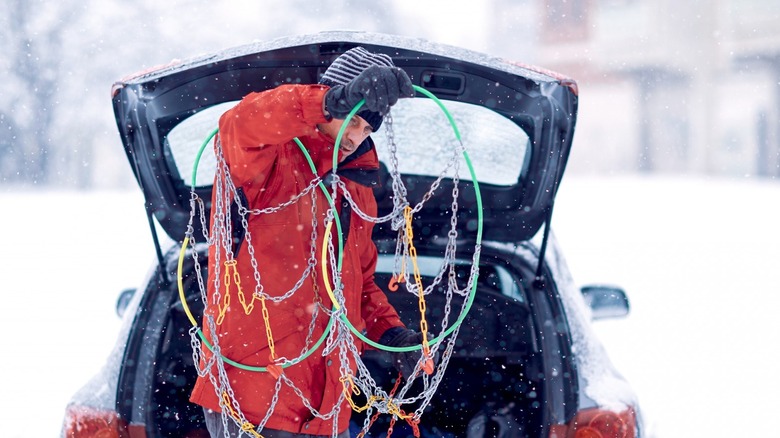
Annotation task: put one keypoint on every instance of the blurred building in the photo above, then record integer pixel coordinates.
(666, 85)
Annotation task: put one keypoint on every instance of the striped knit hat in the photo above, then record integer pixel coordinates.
(348, 66)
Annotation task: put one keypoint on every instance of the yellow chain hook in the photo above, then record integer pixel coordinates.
(245, 425)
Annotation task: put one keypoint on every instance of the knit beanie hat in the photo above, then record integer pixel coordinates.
(348, 66)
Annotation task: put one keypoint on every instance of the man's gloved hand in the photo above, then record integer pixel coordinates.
(380, 86)
(402, 337)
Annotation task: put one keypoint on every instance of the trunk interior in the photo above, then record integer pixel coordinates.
(492, 386)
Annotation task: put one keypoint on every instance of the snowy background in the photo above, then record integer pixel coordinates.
(698, 254)
(698, 258)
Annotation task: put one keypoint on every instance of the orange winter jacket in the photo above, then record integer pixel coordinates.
(265, 163)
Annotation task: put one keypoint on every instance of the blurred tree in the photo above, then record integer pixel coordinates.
(60, 58)
(9, 167)
(31, 40)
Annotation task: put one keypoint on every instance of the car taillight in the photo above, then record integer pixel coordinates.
(86, 422)
(598, 423)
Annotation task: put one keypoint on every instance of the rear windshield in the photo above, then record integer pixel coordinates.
(497, 148)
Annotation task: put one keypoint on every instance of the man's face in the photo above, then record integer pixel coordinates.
(355, 133)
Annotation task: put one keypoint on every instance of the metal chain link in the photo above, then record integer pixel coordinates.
(340, 339)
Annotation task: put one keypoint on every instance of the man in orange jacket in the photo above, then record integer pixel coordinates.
(276, 255)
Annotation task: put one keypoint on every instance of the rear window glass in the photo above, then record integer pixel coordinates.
(425, 140)
(185, 140)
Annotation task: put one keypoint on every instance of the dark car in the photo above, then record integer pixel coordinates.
(523, 361)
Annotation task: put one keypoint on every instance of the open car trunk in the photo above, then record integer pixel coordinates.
(492, 380)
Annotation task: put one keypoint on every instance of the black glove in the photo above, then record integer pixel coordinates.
(379, 86)
(402, 337)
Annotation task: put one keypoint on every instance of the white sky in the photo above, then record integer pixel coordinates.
(698, 258)
(454, 22)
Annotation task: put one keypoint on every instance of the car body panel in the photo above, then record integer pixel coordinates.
(548, 364)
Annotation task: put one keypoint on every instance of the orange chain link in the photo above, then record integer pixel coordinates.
(268, 333)
(350, 388)
(231, 272)
(377, 413)
(245, 425)
(226, 299)
(428, 364)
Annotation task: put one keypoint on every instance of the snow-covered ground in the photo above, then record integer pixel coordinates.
(699, 259)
